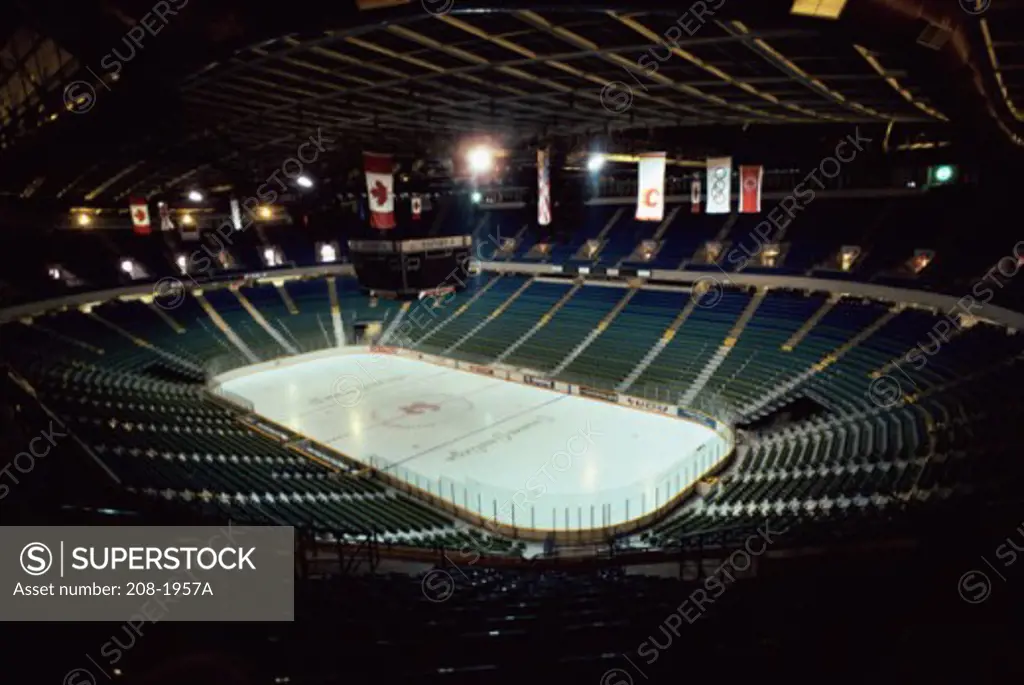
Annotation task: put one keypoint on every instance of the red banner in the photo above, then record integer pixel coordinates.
(750, 189)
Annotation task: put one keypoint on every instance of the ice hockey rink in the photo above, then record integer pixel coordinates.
(530, 456)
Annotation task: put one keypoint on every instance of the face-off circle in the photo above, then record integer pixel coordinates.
(424, 412)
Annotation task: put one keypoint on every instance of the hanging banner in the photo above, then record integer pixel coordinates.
(750, 188)
(650, 187)
(236, 214)
(380, 182)
(719, 185)
(165, 217)
(139, 210)
(695, 194)
(543, 188)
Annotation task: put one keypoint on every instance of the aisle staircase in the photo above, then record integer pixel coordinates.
(262, 321)
(802, 332)
(146, 344)
(598, 330)
(542, 322)
(780, 391)
(724, 349)
(339, 331)
(289, 303)
(492, 316)
(386, 335)
(656, 349)
(220, 323)
(458, 312)
(165, 317)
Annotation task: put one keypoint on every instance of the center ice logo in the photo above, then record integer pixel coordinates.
(425, 412)
(420, 408)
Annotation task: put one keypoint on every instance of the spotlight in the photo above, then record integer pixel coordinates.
(481, 159)
(265, 212)
(942, 174)
(476, 197)
(186, 220)
(304, 181)
(182, 263)
(127, 266)
(195, 196)
(84, 219)
(595, 163)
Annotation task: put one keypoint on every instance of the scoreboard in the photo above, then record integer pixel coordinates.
(409, 267)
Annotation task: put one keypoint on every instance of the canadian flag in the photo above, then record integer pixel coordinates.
(417, 207)
(695, 194)
(380, 183)
(750, 188)
(139, 210)
(650, 201)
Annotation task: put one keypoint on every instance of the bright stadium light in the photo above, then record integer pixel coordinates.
(186, 220)
(304, 181)
(942, 174)
(327, 253)
(182, 263)
(265, 212)
(195, 196)
(595, 163)
(84, 219)
(481, 159)
(476, 197)
(127, 266)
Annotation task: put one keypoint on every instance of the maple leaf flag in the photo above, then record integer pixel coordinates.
(139, 210)
(380, 184)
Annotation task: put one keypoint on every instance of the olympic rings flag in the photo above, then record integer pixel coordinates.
(650, 187)
(719, 185)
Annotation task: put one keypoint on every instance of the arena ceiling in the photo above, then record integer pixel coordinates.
(220, 93)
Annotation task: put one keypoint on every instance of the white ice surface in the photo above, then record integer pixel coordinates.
(484, 442)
